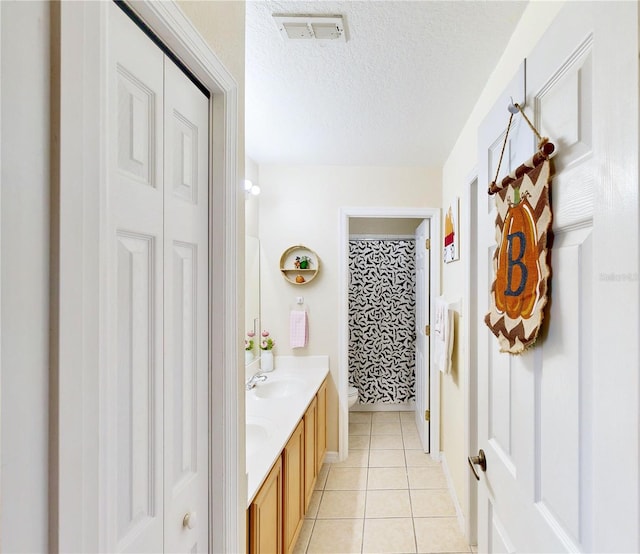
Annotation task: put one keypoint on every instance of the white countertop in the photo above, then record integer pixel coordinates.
(270, 421)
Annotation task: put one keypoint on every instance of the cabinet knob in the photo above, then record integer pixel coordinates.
(189, 520)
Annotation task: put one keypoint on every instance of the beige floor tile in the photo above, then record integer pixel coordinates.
(347, 479)
(386, 442)
(474, 548)
(386, 458)
(387, 478)
(439, 534)
(390, 503)
(411, 441)
(409, 427)
(407, 416)
(359, 442)
(418, 458)
(304, 536)
(314, 503)
(386, 417)
(388, 535)
(322, 477)
(356, 458)
(409, 430)
(342, 504)
(336, 535)
(431, 503)
(386, 428)
(426, 478)
(409, 424)
(359, 429)
(360, 417)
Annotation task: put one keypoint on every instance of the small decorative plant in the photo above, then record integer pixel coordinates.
(305, 262)
(267, 342)
(248, 342)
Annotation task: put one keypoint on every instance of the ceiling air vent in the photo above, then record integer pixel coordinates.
(312, 27)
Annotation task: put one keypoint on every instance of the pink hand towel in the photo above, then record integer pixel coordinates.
(298, 328)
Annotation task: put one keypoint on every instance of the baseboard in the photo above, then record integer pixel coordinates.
(331, 457)
(452, 491)
(409, 406)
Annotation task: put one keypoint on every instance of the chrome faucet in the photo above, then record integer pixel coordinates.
(251, 383)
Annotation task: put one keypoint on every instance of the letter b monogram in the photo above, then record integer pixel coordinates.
(518, 237)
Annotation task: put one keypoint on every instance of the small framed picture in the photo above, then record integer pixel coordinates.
(451, 246)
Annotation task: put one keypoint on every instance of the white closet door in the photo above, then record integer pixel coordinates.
(131, 430)
(155, 429)
(185, 310)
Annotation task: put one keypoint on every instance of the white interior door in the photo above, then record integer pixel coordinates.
(134, 267)
(422, 340)
(155, 428)
(558, 423)
(186, 112)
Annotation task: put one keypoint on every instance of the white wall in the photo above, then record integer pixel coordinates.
(457, 169)
(24, 324)
(378, 226)
(301, 205)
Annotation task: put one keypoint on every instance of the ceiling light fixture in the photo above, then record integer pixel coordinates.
(311, 27)
(249, 187)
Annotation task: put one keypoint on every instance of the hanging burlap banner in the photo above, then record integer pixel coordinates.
(520, 263)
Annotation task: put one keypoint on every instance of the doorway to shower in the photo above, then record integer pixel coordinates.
(384, 339)
(382, 313)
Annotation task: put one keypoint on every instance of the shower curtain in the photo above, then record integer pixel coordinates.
(382, 328)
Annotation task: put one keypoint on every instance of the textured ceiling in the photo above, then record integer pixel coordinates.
(396, 93)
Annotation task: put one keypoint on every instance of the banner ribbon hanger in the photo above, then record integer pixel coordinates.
(545, 149)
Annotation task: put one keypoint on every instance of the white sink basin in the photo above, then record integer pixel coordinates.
(279, 389)
(257, 432)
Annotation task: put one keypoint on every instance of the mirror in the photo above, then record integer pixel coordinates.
(252, 293)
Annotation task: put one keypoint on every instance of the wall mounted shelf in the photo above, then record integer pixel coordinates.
(299, 275)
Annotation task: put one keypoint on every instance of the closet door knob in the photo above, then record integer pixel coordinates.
(189, 520)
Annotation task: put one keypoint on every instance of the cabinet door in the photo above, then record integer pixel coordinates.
(321, 426)
(266, 515)
(293, 469)
(310, 473)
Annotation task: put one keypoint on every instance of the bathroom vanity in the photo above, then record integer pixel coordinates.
(286, 444)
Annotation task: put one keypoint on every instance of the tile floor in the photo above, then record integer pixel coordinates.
(387, 496)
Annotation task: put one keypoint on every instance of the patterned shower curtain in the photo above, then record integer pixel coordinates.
(382, 320)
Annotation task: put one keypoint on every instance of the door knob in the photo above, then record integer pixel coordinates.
(477, 460)
(189, 520)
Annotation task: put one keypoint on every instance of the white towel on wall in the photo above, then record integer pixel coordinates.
(443, 334)
(298, 328)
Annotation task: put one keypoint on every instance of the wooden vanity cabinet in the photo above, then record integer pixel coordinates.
(310, 443)
(321, 435)
(293, 471)
(276, 514)
(265, 515)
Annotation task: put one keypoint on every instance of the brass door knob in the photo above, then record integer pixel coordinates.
(477, 460)
(189, 520)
